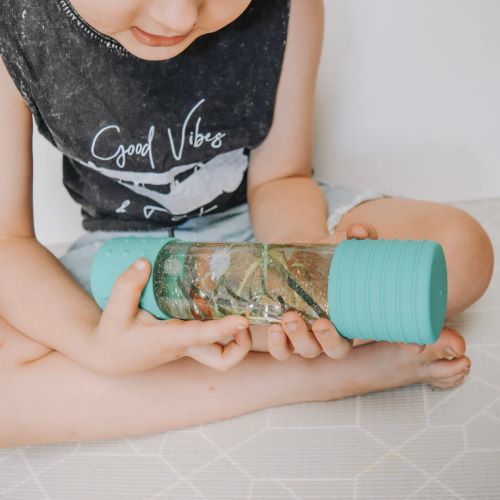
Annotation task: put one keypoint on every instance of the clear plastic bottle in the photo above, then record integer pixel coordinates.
(370, 289)
(260, 281)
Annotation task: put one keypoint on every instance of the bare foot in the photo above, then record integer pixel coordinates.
(376, 366)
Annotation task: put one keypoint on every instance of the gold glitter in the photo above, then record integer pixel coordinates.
(256, 280)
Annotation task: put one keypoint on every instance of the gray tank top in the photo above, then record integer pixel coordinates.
(147, 144)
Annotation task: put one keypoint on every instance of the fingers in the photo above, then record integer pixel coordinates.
(202, 333)
(362, 231)
(284, 341)
(301, 338)
(332, 343)
(278, 344)
(123, 304)
(221, 357)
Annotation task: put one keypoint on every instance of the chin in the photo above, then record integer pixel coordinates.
(147, 53)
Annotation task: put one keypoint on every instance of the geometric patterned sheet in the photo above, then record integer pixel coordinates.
(408, 443)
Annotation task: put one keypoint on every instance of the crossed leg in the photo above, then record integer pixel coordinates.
(467, 247)
(469, 260)
(45, 397)
(469, 257)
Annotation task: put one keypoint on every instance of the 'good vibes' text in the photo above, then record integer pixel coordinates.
(190, 134)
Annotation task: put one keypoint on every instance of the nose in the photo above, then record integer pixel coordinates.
(177, 16)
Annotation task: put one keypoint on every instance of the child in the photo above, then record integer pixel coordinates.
(192, 118)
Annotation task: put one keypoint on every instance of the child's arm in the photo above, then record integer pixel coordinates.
(40, 299)
(286, 204)
(37, 295)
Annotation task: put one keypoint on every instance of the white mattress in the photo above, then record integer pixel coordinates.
(405, 443)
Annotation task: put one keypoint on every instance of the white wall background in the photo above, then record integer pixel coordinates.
(408, 98)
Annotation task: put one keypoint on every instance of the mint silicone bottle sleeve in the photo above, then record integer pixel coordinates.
(114, 257)
(392, 290)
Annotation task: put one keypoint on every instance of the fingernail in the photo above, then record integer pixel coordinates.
(276, 333)
(323, 332)
(291, 326)
(140, 265)
(451, 352)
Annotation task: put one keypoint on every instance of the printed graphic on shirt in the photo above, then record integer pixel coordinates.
(222, 174)
(183, 188)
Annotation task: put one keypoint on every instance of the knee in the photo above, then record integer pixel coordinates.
(469, 258)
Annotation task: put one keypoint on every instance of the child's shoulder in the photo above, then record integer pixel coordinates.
(22, 22)
(17, 13)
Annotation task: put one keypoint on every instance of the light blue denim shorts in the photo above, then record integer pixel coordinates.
(232, 225)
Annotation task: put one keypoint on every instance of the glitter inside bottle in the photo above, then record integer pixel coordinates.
(256, 280)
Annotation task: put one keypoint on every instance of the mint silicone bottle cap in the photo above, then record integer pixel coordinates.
(114, 257)
(390, 290)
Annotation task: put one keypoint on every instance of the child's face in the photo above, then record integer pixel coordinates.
(158, 29)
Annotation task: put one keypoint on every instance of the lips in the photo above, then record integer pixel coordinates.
(156, 40)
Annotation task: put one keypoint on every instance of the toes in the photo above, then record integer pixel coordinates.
(445, 369)
(450, 344)
(333, 344)
(449, 383)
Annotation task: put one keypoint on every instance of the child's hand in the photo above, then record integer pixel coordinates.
(128, 339)
(293, 335)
